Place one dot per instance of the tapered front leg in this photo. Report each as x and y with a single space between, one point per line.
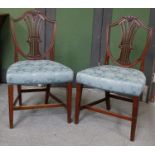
79 88
10 100
69 102
134 117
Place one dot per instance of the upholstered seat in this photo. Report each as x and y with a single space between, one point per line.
113 78
32 72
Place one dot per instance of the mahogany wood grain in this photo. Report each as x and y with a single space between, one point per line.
32 90
19 94
107 95
34 21
39 106
10 99
79 88
134 118
47 94
108 113
129 26
69 102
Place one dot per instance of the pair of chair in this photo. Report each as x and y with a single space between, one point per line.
119 79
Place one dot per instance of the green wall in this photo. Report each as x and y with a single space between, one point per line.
74 37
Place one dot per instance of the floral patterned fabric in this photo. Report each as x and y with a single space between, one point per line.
31 72
113 78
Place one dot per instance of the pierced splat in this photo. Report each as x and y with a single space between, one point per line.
34 24
129 26
34 21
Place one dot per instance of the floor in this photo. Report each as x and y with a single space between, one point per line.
49 127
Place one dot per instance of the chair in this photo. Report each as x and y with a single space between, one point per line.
117 76
38 68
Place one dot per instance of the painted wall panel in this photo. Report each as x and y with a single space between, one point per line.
74 37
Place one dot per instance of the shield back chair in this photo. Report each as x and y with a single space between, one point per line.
38 68
118 76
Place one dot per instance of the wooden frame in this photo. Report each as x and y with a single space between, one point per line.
128 33
35 17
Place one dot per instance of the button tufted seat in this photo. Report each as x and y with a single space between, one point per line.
32 72
113 78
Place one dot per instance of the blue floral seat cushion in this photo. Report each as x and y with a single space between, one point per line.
113 78
32 72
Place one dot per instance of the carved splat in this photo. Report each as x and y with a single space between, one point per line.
129 26
34 21
34 24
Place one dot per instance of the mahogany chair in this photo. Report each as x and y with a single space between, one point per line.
118 76
39 68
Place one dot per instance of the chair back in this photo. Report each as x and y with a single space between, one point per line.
35 22
128 27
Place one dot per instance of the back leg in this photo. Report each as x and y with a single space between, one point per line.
47 94
107 95
20 94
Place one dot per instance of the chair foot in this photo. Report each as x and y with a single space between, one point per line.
108 106
134 118
11 126
69 102
79 88
10 99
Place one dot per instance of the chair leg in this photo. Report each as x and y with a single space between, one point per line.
47 94
134 117
108 106
79 88
20 94
10 100
69 102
